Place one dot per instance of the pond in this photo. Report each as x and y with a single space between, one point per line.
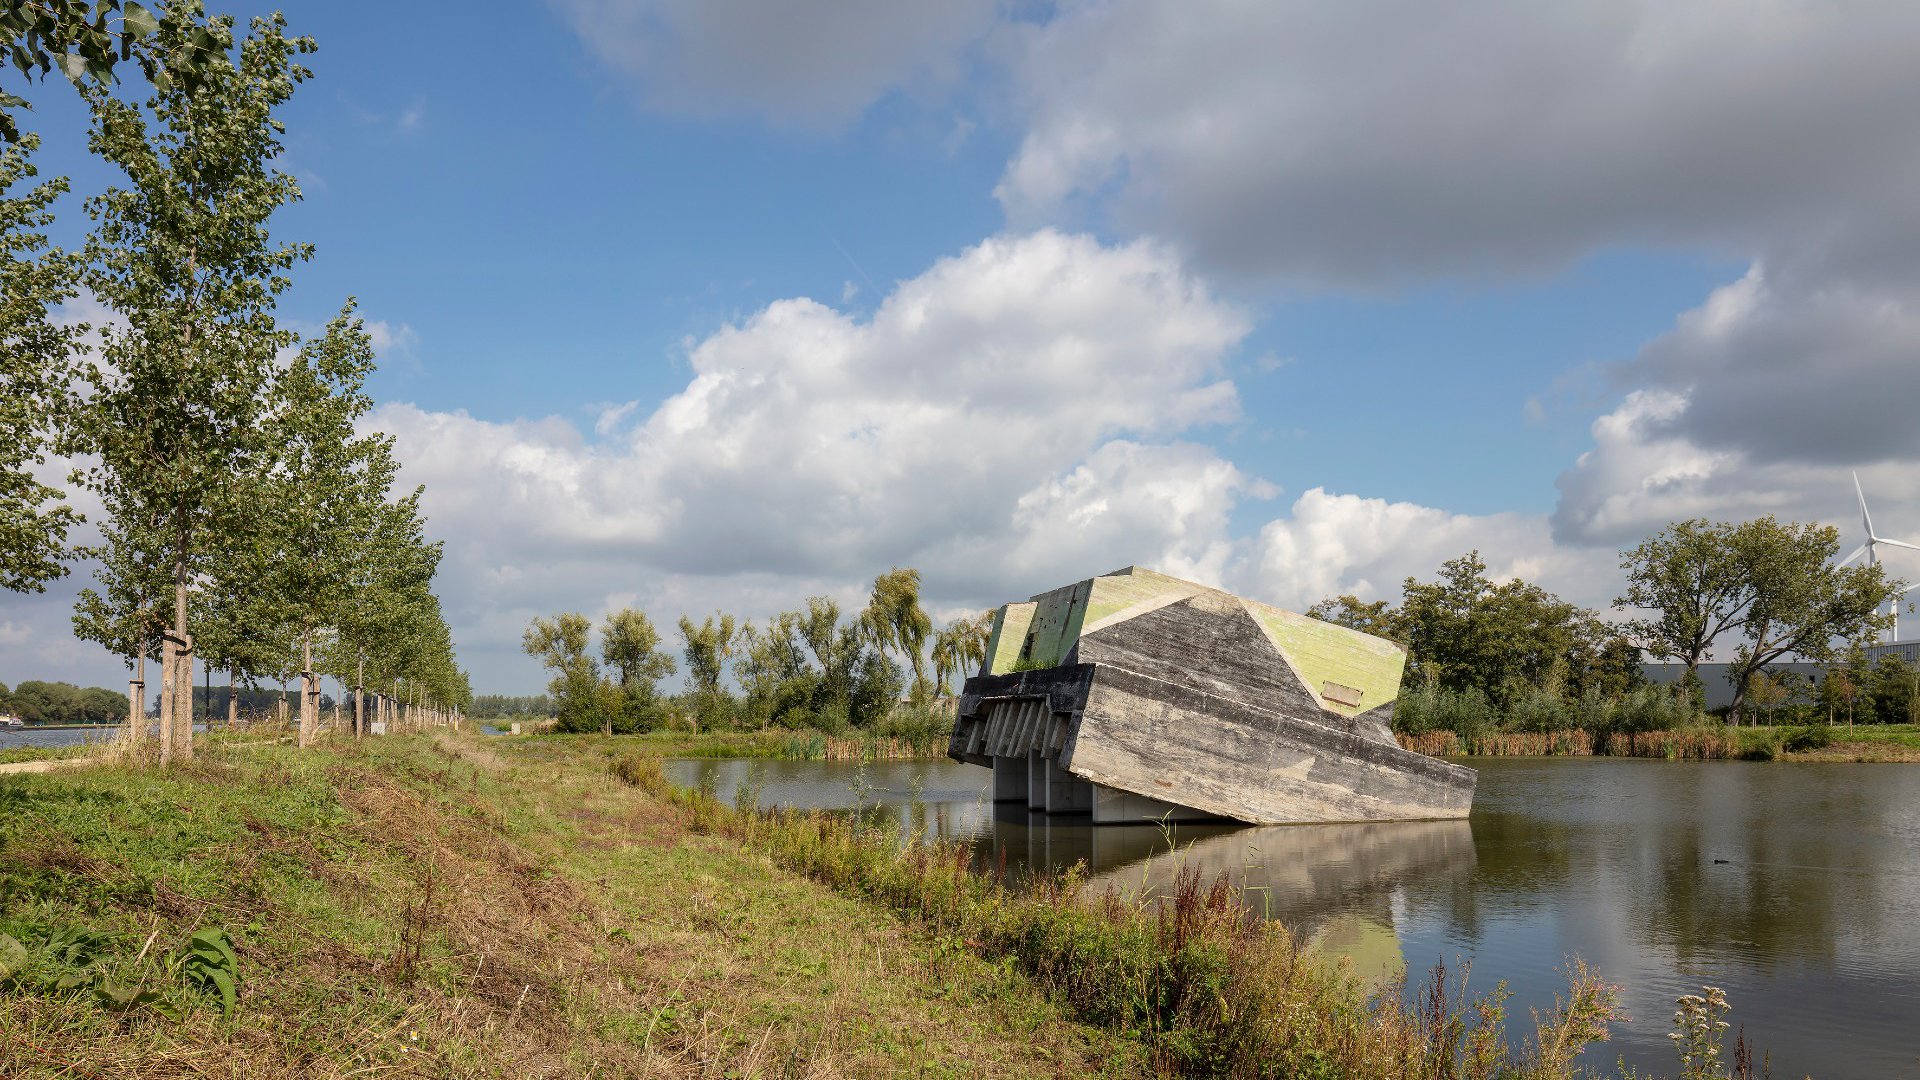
1794 887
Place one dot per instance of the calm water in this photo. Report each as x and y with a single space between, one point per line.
1811 923
11 740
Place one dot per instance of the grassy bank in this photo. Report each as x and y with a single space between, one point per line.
1864 743
463 908
477 906
1207 987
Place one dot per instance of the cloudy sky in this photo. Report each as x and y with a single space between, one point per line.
697 304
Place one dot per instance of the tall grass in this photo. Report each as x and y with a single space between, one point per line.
1698 743
1209 987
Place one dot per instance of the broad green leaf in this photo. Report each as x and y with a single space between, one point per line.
138 21
229 996
114 996
14 957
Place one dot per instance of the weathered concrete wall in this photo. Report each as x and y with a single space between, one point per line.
1170 698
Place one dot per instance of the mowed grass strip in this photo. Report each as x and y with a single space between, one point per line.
430 907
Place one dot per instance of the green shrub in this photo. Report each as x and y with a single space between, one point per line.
1806 738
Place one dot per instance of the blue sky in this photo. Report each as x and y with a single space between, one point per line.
1381 284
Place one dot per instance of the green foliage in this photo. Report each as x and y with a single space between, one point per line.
1800 602
1807 738
894 620
561 645
1211 991
88 40
39 702
34 368
500 706
1473 717
207 962
1691 576
961 647
1463 632
708 648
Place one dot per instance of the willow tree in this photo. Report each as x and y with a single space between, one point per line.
34 349
563 645
895 620
960 647
630 648
709 647
178 397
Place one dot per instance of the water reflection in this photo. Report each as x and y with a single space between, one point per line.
1795 887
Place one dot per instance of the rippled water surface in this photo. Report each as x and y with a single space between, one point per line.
1795 887
14 738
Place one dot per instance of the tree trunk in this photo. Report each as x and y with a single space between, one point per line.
309 697
1738 711
359 706
180 735
168 671
137 700
233 703
183 705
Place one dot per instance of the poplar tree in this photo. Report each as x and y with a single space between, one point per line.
177 403
128 612
88 40
389 584
34 278
323 474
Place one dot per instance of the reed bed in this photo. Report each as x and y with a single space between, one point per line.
1683 744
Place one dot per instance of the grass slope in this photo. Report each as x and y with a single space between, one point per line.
434 908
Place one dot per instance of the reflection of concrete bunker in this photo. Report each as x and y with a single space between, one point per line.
1140 696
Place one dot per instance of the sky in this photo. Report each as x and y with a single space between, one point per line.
709 304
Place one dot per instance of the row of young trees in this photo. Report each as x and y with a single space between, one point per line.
809 668
249 520
1510 654
1857 690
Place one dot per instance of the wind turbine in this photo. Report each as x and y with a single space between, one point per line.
1871 550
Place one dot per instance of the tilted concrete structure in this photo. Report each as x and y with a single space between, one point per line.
1136 696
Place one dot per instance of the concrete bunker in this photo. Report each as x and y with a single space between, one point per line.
1137 696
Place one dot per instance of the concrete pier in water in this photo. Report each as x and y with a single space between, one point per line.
1135 696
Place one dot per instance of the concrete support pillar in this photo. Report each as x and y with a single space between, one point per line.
1066 793
1112 806
1009 779
1036 781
